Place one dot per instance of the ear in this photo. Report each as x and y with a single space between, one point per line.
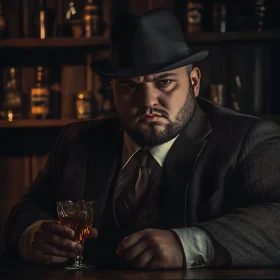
195 77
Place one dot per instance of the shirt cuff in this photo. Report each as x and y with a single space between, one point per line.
198 247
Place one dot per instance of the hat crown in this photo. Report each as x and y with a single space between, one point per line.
154 38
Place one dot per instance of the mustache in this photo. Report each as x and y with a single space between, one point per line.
151 110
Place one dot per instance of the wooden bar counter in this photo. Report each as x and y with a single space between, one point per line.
15 271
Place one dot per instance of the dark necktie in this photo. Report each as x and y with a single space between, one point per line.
132 192
142 181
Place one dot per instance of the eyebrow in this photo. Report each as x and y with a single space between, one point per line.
165 75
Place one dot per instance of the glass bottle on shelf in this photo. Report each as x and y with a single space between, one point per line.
73 22
85 105
13 97
44 21
91 19
40 96
219 17
71 11
3 22
194 14
260 15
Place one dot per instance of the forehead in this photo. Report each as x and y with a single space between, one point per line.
152 77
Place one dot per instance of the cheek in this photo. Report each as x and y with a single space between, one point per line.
173 106
173 101
124 106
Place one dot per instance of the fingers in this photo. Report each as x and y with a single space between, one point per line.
93 233
156 264
133 251
56 240
130 240
53 243
57 228
143 259
48 259
49 249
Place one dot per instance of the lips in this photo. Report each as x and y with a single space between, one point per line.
150 118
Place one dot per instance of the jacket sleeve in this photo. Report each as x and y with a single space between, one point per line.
249 230
39 202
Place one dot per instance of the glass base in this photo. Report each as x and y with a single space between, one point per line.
80 267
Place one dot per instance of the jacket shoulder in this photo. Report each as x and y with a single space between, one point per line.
224 118
87 127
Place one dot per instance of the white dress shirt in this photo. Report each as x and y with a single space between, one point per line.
197 244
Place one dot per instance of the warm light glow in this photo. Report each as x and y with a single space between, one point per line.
42 25
10 116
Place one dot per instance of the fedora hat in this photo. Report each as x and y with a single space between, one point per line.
145 45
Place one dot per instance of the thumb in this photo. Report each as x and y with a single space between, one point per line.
93 233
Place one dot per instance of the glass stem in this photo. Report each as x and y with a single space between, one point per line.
79 257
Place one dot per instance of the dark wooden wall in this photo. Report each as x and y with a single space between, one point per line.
24 149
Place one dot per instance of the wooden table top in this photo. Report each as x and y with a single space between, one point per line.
19 271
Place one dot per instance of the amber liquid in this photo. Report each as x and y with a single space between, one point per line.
81 224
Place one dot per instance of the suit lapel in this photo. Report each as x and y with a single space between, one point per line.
179 166
103 164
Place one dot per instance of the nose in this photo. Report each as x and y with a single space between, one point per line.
148 96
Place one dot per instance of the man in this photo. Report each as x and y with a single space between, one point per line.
178 181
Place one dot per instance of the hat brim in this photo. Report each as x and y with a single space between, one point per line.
102 67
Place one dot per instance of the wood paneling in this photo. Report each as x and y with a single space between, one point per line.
55 43
23 153
106 15
167 4
138 7
73 81
36 123
15 179
141 7
37 163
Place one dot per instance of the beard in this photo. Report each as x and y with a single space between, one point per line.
153 137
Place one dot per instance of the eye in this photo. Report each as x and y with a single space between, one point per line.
165 82
129 86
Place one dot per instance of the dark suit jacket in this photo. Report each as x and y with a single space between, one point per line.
222 174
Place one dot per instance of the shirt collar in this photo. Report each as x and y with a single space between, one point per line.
159 152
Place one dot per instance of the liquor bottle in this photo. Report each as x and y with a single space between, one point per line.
218 94
194 16
13 97
3 22
85 105
40 96
70 17
71 11
219 17
260 15
91 19
44 21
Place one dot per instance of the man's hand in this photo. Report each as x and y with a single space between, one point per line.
50 242
152 249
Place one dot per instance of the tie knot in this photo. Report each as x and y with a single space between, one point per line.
143 157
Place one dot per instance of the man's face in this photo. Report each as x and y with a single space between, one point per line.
154 108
